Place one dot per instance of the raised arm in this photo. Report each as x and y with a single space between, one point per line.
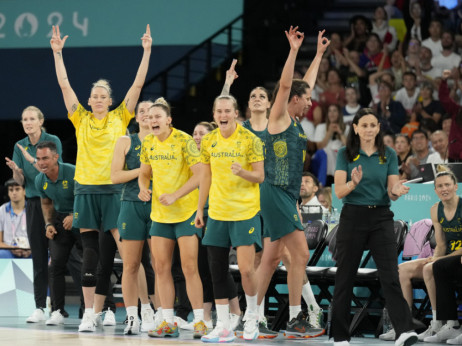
231 75
118 173
279 118
134 92
312 72
57 45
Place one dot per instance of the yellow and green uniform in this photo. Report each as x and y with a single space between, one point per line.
134 220
232 198
452 228
170 162
284 159
96 140
97 200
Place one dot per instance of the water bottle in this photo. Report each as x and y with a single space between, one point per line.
387 326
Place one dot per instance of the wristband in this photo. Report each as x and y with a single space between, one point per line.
48 224
35 162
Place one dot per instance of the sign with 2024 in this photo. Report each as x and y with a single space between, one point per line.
28 23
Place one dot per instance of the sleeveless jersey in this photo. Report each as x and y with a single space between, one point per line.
452 228
131 189
285 155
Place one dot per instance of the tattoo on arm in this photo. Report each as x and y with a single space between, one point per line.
74 108
59 55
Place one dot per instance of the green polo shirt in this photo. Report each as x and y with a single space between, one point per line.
372 190
61 191
29 171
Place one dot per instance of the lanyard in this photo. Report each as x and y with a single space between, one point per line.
21 222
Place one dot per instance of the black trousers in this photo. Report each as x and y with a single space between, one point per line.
447 273
361 228
60 250
39 249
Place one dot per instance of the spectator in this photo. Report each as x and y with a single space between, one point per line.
334 53
335 92
424 69
409 93
419 144
331 136
360 27
455 133
416 18
375 55
447 60
387 33
403 150
446 123
325 197
352 106
440 145
412 52
389 140
308 191
434 41
375 79
391 113
321 79
14 242
398 67
428 110
354 76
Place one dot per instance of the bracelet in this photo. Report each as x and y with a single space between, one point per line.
48 224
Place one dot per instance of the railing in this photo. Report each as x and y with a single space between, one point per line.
197 63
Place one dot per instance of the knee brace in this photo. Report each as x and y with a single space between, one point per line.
218 263
90 258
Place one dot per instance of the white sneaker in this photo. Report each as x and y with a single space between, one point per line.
407 339
209 324
55 319
388 336
315 317
455 341
233 321
446 332
188 326
147 320
341 343
37 316
109 318
433 328
133 326
219 334
251 327
88 323
180 322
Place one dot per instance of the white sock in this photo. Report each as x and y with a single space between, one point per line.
261 310
308 297
294 311
198 315
132 310
434 316
223 314
252 306
168 315
146 307
89 311
159 314
453 323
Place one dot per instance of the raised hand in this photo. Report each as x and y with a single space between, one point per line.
231 74
29 158
357 175
446 74
295 38
399 189
147 39
56 42
10 163
323 42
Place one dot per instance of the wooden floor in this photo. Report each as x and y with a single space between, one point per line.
15 331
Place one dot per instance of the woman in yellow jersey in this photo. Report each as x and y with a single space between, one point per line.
232 160
97 200
134 224
171 157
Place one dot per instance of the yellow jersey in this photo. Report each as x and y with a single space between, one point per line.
170 162
232 198
95 143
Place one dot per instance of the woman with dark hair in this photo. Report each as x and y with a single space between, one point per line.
403 150
366 179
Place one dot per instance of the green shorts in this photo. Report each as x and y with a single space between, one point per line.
134 220
175 230
96 211
233 233
279 211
